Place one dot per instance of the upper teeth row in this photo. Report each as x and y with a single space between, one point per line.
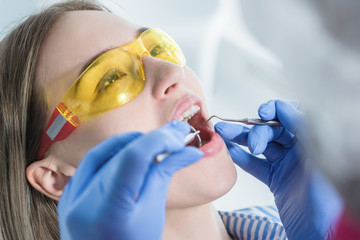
189 113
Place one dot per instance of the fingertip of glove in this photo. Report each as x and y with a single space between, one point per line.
225 127
219 127
283 105
191 155
256 151
181 126
266 112
194 151
255 146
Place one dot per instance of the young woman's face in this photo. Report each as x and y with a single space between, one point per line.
169 91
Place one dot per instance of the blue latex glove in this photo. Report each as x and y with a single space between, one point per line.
307 204
118 191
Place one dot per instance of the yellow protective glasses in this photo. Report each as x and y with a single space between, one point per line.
111 80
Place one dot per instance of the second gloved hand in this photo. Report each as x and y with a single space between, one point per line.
118 192
307 204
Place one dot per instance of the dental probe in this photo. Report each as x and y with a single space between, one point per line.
248 121
193 130
187 139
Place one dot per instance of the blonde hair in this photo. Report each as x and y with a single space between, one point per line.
25 213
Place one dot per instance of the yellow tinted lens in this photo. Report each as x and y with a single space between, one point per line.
110 81
116 77
162 46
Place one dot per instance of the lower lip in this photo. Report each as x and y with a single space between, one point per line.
213 147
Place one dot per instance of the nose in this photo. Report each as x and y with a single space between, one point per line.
163 77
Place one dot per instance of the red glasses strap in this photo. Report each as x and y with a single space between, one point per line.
57 129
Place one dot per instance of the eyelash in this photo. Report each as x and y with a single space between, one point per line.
111 77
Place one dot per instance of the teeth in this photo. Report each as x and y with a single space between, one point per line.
189 113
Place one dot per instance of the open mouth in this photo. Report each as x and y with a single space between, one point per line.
195 118
190 109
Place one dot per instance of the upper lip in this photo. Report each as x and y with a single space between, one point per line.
184 104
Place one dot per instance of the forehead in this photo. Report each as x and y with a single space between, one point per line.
74 39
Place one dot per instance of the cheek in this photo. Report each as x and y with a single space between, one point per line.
140 114
202 182
132 116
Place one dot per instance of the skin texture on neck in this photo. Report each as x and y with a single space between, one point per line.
199 222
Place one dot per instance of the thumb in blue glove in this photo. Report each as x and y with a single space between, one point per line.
307 204
117 188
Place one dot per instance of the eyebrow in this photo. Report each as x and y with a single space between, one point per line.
139 31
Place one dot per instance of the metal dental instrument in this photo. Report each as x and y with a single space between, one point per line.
188 139
193 130
248 121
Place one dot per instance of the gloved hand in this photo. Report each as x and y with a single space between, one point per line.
118 191
307 204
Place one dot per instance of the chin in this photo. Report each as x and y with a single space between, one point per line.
202 182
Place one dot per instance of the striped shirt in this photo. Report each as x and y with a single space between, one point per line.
254 223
